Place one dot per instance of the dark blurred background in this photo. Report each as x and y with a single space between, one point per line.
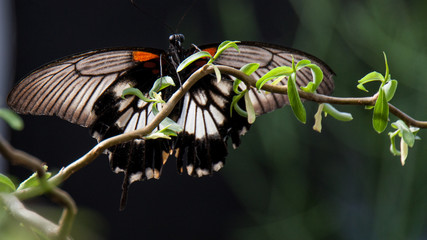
285 181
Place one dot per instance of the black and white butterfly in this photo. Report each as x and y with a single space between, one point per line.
86 89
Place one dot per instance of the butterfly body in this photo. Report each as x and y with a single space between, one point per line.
86 89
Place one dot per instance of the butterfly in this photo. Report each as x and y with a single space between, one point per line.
86 89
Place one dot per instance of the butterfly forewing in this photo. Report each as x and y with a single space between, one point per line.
69 87
269 57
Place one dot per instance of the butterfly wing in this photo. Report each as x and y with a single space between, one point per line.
86 89
270 56
205 114
69 87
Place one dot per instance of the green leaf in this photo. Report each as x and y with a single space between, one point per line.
405 132
12 119
294 68
157 135
277 80
168 131
415 130
390 89
135 92
341 116
393 148
223 46
370 77
247 69
162 83
295 100
240 111
318 118
6 185
217 73
236 84
387 71
164 133
156 97
407 139
189 60
249 108
167 122
361 87
274 73
235 106
317 78
172 125
317 74
33 180
381 111
403 151
302 64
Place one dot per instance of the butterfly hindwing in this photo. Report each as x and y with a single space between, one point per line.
207 124
139 159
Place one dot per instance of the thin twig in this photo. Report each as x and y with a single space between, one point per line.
18 157
307 96
29 218
68 214
406 118
319 98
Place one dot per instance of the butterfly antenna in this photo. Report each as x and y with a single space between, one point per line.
185 14
152 16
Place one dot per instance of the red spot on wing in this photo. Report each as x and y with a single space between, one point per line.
153 66
211 50
141 56
149 64
200 62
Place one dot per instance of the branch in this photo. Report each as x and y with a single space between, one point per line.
18 157
319 98
68 214
17 209
406 118
169 106
29 218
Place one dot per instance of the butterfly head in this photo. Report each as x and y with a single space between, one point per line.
176 40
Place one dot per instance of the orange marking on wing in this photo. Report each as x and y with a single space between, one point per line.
165 157
211 51
141 56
